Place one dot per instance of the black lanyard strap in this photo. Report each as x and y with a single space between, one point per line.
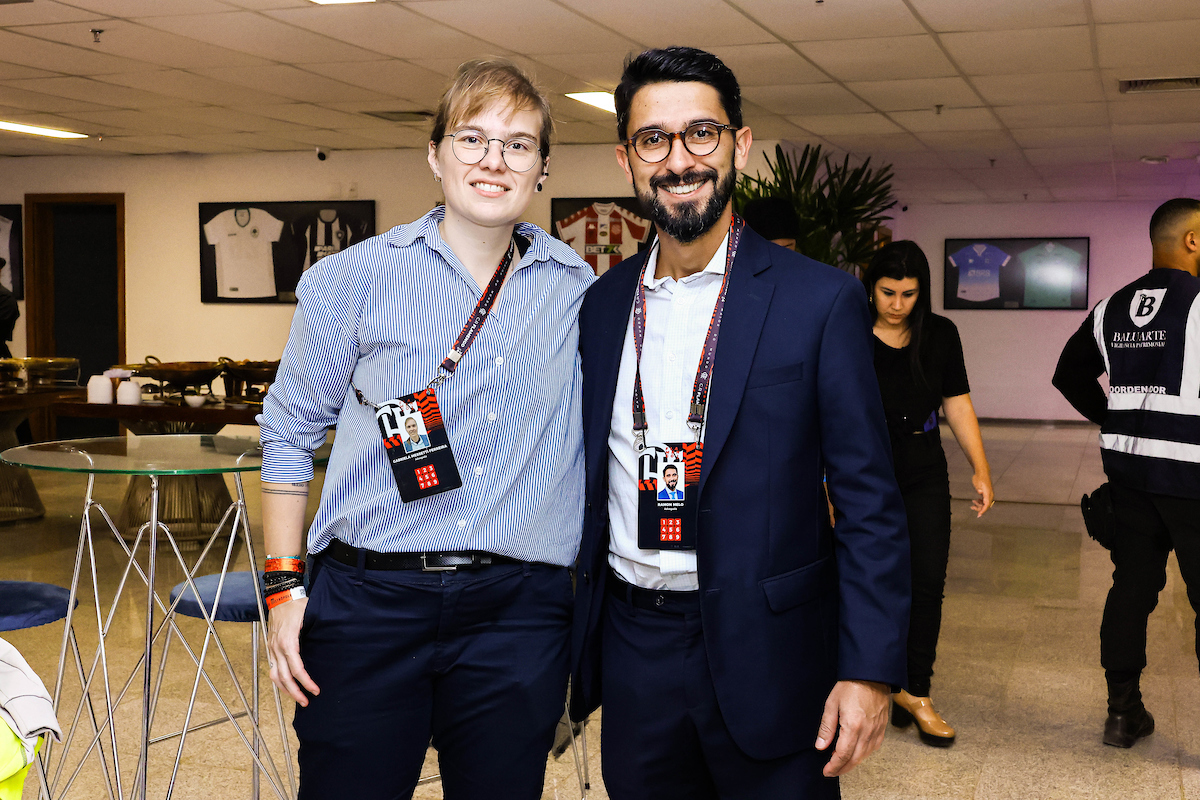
474 324
707 357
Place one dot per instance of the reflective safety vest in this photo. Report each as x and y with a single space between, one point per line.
1149 336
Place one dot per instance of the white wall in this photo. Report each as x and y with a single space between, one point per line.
164 315
1011 355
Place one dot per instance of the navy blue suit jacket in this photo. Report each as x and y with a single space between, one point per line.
789 606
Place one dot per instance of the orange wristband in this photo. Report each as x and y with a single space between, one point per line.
279 598
284 564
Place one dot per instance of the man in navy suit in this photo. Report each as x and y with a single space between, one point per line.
742 648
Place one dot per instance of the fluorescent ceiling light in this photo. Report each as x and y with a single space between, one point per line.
600 100
339 2
36 131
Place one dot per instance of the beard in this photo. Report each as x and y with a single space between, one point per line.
688 222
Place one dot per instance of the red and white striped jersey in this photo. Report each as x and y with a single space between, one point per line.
604 234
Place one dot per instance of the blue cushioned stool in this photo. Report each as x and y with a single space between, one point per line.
239 603
28 604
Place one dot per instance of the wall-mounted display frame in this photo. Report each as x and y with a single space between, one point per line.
1017 273
604 231
12 239
256 252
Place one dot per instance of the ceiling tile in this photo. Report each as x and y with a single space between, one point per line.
147 145
951 141
292 83
765 65
955 15
1020 52
140 43
1156 134
229 119
1153 49
1036 88
260 36
602 70
43 12
1068 155
36 101
890 58
394 135
1085 136
892 144
1079 173
15 72
950 119
835 124
902 161
387 29
107 122
61 59
913 94
335 140
1029 194
1022 178
705 23
186 85
1084 193
769 126
257 141
150 8
313 116
1185 154
1136 170
1053 116
271 5
1133 109
391 77
108 94
844 19
1008 159
806 99
1125 11
524 26
547 78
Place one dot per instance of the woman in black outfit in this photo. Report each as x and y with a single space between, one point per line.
919 361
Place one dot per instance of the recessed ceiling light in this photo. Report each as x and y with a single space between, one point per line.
339 2
36 131
1154 159
601 100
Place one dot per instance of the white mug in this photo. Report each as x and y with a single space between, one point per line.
129 394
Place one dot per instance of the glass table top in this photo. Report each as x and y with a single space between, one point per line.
177 454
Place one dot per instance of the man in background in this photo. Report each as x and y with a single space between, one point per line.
1146 337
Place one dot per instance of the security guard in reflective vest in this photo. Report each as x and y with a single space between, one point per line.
1147 338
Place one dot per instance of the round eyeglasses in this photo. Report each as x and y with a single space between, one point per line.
700 139
520 153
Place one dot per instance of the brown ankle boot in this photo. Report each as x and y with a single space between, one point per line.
933 730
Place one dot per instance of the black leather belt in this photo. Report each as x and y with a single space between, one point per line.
429 562
664 600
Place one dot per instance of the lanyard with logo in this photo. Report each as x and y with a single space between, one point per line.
669 473
414 434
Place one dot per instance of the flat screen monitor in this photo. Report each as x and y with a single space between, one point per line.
1046 273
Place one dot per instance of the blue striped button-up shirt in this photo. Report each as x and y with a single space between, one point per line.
383 313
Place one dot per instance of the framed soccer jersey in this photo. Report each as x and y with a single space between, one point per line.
12 276
1050 273
256 252
603 230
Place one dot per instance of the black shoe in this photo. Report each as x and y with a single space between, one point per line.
1122 730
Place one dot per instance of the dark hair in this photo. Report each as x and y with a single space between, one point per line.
1170 214
900 260
676 65
772 218
670 466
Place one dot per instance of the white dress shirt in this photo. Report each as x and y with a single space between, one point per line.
677 318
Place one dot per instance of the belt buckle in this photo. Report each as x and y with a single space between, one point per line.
426 568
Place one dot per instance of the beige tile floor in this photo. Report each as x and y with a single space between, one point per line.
1018 670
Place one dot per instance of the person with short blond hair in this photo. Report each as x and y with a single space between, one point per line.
436 608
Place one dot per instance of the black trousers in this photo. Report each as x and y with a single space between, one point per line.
925 486
1149 526
475 661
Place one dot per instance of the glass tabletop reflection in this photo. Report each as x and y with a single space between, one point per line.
172 454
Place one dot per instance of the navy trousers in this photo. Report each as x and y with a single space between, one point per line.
662 730
475 662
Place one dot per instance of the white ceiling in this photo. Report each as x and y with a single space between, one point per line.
1028 89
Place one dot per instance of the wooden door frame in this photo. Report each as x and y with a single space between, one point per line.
39 267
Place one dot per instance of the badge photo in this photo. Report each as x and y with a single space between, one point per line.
417 446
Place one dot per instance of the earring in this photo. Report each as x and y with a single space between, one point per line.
539 187
437 178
